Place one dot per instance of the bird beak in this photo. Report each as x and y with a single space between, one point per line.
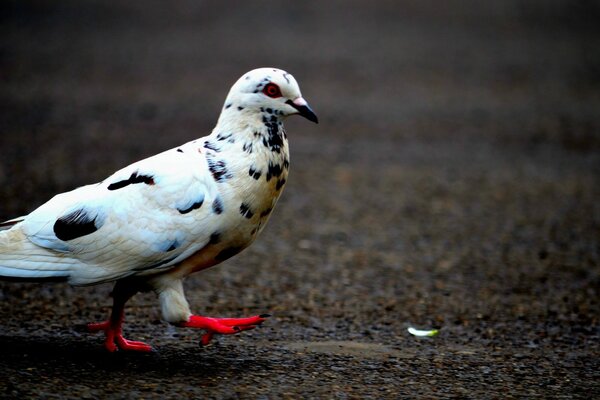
303 109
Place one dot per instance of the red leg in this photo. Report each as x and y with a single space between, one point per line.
224 326
113 327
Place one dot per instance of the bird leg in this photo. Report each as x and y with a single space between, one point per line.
224 326
113 327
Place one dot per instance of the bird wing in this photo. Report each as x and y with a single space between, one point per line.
149 215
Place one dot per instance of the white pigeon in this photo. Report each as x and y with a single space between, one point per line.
154 222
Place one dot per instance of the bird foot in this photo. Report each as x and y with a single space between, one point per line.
224 326
114 338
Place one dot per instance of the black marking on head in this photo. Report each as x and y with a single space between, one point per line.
227 106
240 108
285 76
192 207
266 212
274 171
262 83
245 210
254 173
280 183
228 253
75 224
211 146
133 179
179 151
247 77
214 238
218 169
247 147
217 205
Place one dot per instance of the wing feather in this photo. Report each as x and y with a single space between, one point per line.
146 216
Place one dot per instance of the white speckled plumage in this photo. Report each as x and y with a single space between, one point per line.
156 221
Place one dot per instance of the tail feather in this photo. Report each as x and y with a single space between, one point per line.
22 260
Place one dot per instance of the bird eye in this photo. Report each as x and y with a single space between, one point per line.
272 90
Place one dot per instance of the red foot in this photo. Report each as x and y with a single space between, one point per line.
224 326
114 338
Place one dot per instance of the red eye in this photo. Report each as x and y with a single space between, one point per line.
272 90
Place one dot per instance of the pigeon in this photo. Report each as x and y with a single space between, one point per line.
151 224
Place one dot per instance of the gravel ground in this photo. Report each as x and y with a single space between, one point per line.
452 183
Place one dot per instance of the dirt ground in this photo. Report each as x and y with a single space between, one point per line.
452 183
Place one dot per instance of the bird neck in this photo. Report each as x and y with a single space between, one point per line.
262 130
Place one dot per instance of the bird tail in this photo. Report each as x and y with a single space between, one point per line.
22 260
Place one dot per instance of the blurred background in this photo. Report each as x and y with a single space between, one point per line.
452 182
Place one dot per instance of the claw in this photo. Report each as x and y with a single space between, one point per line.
114 338
224 326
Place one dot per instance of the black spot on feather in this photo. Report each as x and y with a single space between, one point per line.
218 169
280 184
211 146
227 106
226 136
274 138
133 179
228 253
173 245
193 207
223 136
74 225
274 171
254 173
247 147
179 151
217 206
245 210
214 238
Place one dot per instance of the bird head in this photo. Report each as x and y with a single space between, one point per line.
269 88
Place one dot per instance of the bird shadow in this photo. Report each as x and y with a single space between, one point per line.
73 359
